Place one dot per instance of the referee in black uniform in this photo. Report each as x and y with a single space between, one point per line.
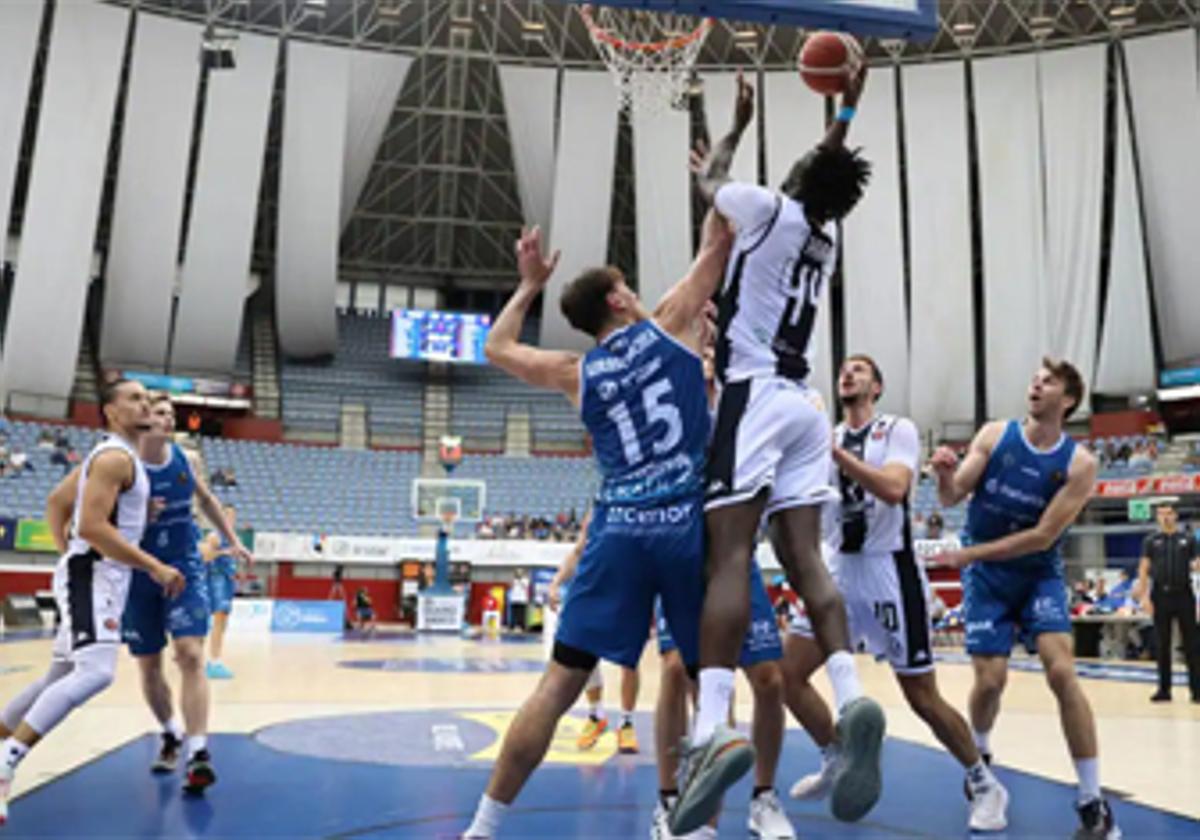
1168 557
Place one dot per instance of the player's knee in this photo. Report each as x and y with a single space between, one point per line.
1061 677
190 659
824 599
766 681
673 669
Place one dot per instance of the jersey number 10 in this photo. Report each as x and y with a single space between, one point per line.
659 410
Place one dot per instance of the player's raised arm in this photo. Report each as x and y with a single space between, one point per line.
835 137
1057 517
712 170
683 304
957 481
554 369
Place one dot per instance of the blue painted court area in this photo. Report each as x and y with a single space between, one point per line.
419 774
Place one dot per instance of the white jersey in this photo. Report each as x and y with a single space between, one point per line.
776 276
859 523
130 514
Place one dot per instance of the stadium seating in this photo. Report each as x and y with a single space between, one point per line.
393 390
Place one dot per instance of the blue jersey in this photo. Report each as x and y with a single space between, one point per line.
224 564
643 400
173 535
1015 490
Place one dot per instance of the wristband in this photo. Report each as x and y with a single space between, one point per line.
846 113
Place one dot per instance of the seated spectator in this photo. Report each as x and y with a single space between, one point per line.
45 439
1141 458
230 477
61 441
19 460
935 526
62 458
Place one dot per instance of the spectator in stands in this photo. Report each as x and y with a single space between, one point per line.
45 439
1141 459
518 600
935 526
18 460
62 458
61 441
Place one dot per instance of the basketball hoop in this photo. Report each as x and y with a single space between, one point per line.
650 54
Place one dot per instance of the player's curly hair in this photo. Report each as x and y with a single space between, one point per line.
829 181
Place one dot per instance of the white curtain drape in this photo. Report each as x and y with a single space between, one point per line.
583 184
310 188
942 371
216 264
873 247
1013 224
375 82
1125 364
663 188
1073 83
1166 116
143 249
41 344
530 97
19 27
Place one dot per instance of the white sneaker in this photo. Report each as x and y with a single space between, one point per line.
817 785
660 828
6 775
989 807
768 820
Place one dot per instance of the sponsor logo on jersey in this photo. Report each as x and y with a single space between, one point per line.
607 389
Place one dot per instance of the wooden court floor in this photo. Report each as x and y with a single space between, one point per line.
1149 753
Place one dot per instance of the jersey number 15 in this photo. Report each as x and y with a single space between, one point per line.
659 411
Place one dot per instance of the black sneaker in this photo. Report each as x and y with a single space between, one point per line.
987 759
1096 820
200 773
1160 697
168 755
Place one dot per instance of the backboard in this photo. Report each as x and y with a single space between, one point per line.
911 19
434 497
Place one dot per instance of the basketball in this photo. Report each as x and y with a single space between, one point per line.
828 60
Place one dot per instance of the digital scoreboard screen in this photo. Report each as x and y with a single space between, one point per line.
439 336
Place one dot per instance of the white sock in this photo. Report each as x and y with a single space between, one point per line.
844 676
1088 771
598 712
195 743
13 752
829 755
626 718
716 687
173 729
983 740
487 817
979 777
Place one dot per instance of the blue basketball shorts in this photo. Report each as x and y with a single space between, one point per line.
221 588
998 600
762 642
632 557
150 615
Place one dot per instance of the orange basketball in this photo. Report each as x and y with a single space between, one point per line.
828 60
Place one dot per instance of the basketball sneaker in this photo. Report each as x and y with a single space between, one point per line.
168 755
660 828
592 730
859 781
1096 820
989 808
200 773
217 671
817 785
627 741
6 776
706 771
767 820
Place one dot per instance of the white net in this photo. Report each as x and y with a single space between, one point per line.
650 54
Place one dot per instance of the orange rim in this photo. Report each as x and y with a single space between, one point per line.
601 34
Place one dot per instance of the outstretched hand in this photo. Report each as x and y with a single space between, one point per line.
534 268
743 103
855 85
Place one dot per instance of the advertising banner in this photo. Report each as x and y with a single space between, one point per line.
34 535
308 617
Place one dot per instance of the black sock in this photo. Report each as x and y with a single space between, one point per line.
759 790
